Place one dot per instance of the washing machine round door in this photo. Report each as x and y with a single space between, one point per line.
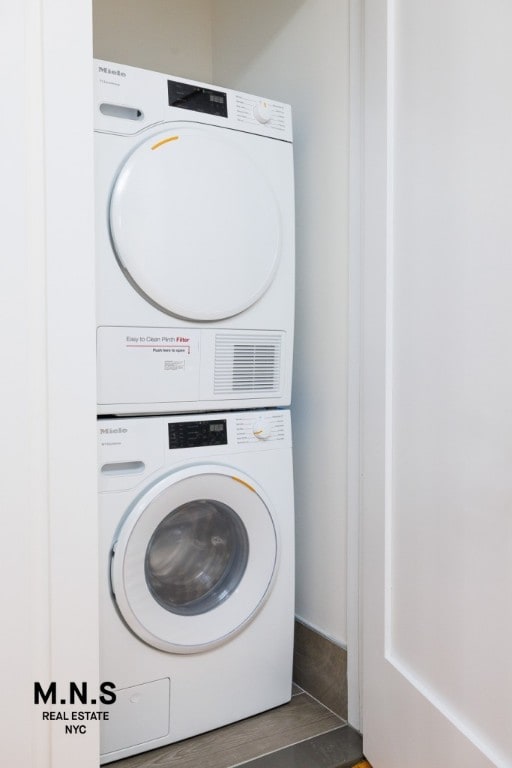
194 559
195 223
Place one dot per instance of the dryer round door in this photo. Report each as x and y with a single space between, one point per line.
195 223
194 559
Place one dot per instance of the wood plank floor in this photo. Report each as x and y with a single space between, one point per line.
301 719
340 748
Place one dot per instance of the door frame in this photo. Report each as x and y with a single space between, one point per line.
376 265
354 318
48 389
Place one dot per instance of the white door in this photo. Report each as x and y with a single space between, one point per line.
194 221
194 558
437 384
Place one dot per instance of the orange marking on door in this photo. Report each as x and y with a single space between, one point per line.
239 480
164 141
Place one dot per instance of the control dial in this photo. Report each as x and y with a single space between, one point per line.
261 111
262 429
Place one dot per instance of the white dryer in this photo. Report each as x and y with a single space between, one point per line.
195 245
197 573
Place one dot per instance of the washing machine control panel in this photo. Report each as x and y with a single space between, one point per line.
197 434
261 428
131 450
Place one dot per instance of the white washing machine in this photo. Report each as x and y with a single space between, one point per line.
195 245
197 573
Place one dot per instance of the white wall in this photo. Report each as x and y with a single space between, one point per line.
172 36
69 295
297 51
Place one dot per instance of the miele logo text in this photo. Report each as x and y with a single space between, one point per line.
107 71
116 431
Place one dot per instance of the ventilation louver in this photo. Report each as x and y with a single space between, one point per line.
247 364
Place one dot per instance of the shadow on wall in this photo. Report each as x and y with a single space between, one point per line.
186 37
265 19
169 36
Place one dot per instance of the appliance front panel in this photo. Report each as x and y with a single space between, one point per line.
244 674
194 243
144 370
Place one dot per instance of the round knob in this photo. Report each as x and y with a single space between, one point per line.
261 429
261 111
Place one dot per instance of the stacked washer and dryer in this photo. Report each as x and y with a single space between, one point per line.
195 307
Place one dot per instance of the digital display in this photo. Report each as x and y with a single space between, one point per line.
197 98
197 434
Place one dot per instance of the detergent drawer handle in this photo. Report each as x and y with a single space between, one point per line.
116 110
123 468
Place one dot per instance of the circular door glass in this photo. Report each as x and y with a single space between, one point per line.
196 557
194 221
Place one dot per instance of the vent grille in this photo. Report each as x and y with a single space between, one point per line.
247 364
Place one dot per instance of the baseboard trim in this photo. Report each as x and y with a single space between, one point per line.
320 668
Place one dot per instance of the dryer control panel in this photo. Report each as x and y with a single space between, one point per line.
129 99
197 98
